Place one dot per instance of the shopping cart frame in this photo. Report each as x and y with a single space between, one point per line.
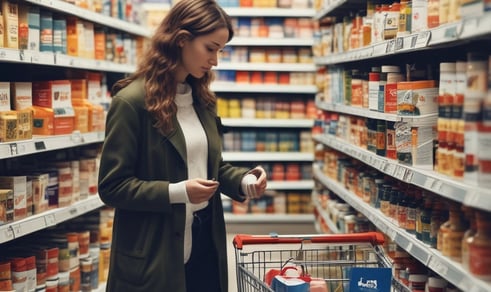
255 255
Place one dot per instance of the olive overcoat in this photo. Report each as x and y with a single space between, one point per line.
137 164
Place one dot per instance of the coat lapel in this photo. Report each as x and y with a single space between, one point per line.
176 138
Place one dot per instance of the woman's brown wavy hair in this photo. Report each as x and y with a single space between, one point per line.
187 19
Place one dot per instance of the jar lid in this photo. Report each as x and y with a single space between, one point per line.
461 66
447 67
390 68
417 278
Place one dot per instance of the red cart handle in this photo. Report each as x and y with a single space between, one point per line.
375 238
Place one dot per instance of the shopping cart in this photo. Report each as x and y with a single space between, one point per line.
330 257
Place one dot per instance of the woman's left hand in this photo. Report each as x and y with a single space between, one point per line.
257 188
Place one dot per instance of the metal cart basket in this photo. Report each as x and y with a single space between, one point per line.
328 257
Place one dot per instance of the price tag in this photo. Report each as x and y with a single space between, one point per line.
391 233
3 54
390 169
13 149
50 220
17 230
437 186
391 45
35 57
77 137
421 39
450 32
439 267
429 182
399 43
73 211
409 176
400 172
39 145
8 234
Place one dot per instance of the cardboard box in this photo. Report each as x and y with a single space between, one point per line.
39 196
8 126
21 95
75 36
53 109
34 20
5 96
23 25
6 206
18 185
10 14
24 123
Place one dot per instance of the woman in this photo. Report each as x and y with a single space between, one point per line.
161 165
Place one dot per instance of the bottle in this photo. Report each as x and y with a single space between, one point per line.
468 235
413 198
425 219
452 238
437 218
402 209
480 247
385 199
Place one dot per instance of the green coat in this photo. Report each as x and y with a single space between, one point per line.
136 167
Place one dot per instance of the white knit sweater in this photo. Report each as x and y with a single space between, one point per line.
196 156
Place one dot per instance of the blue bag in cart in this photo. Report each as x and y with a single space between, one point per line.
370 279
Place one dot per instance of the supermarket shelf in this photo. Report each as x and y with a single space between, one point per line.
268 123
325 217
268 218
92 16
267 156
290 185
269 12
276 42
51 59
364 112
222 86
445 267
14 230
48 143
445 186
460 31
286 186
279 67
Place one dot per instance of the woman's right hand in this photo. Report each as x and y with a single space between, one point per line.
200 190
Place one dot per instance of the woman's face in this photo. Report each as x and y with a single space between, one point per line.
200 54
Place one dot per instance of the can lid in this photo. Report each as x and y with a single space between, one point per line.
447 67
389 68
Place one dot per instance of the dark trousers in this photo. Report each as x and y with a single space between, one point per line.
202 268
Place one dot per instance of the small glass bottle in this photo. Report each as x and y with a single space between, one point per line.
452 239
468 235
480 247
426 221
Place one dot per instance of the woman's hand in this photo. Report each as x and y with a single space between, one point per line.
200 190
255 186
